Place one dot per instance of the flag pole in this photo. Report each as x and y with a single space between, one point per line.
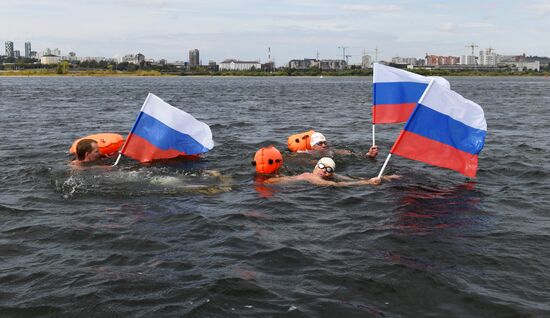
117 159
131 131
373 126
373 107
384 166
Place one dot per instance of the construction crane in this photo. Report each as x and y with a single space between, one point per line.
343 51
473 46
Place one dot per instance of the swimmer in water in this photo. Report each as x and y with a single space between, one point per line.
323 174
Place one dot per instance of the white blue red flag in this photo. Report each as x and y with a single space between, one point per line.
396 93
445 130
162 131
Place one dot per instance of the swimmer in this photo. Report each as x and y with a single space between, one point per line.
323 174
319 143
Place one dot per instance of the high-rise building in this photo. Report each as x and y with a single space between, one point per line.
16 54
441 60
194 58
27 49
468 60
140 58
488 57
9 49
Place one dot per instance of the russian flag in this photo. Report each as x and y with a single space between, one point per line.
445 130
396 93
162 131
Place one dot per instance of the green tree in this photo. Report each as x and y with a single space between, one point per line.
63 67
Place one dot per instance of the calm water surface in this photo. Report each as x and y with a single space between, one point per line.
165 239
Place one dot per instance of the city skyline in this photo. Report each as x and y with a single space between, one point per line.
169 29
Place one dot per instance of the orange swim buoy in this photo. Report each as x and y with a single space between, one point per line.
108 143
267 160
300 142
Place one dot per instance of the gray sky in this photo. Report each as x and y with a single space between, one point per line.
293 29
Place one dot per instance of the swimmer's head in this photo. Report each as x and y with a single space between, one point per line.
318 141
87 150
325 167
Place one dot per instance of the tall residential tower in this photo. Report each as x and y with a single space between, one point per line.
27 49
194 58
9 49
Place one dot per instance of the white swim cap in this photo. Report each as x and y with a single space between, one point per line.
328 162
315 138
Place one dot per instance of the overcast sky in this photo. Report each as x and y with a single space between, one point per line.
293 29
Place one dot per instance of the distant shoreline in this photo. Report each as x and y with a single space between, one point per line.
292 73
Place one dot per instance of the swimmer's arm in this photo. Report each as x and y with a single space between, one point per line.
282 180
391 177
342 151
322 182
371 181
340 177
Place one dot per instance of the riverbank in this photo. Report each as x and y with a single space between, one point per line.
283 72
50 72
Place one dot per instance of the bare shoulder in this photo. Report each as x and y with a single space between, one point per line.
305 176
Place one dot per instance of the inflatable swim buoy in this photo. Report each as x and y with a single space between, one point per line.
300 142
267 160
108 143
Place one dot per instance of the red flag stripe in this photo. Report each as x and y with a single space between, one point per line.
140 149
392 113
416 147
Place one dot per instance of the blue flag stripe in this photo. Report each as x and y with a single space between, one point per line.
440 127
164 137
398 92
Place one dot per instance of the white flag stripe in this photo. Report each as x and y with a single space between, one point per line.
178 120
387 74
452 104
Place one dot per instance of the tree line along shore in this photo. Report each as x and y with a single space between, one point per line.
128 69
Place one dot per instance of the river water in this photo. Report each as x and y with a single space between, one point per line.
167 239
